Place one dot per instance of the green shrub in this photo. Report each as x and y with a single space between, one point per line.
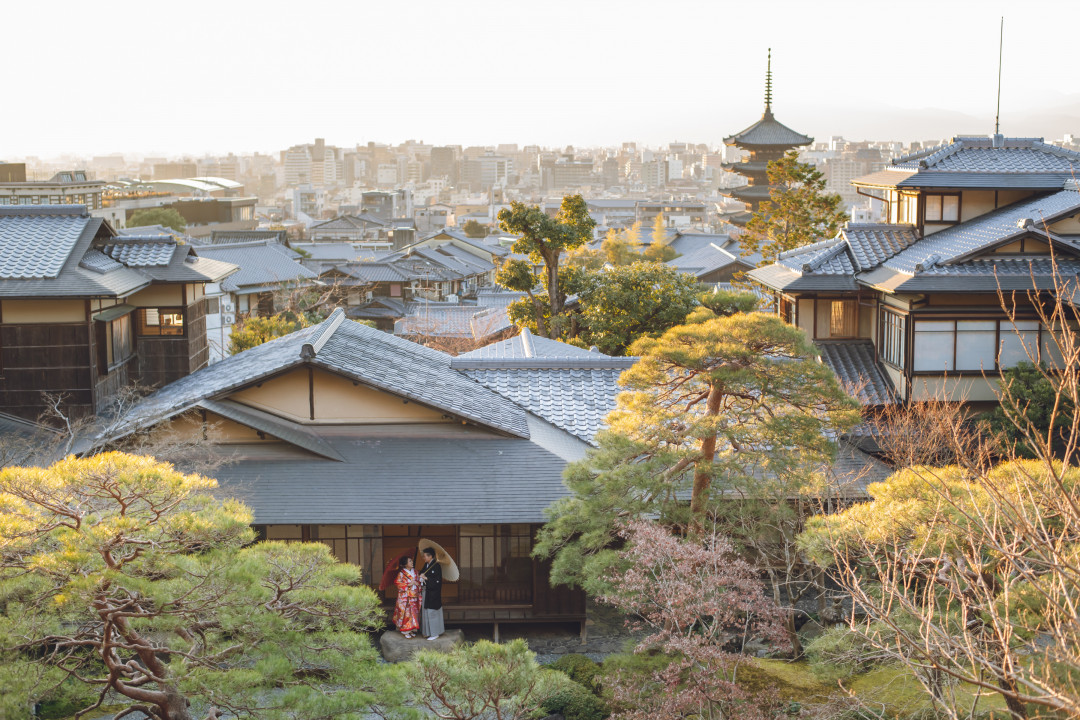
576 703
580 669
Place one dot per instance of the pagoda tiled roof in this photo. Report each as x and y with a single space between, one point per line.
768 132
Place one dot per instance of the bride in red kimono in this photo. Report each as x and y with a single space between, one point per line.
407 608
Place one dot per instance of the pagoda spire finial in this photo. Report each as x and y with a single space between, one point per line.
768 84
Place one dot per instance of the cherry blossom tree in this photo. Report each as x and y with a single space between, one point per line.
699 604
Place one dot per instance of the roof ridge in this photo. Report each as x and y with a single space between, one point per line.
36 210
829 254
311 349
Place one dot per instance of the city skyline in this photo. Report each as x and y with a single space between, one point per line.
246 77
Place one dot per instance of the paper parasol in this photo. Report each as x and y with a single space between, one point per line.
390 573
450 571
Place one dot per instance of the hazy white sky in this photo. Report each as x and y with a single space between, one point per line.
240 75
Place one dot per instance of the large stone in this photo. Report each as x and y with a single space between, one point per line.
397 648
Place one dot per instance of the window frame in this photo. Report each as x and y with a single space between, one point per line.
898 344
1004 328
941 208
141 324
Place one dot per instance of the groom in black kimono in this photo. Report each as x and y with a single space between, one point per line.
431 614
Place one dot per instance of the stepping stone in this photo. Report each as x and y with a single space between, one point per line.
397 648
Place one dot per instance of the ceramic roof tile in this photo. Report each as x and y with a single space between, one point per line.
261 264
872 244
342 346
984 231
36 241
141 251
768 131
854 363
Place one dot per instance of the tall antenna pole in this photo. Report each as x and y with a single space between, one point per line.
1001 43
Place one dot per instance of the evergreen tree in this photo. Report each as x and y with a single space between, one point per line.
798 211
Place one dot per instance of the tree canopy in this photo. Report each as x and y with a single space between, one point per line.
798 211
621 304
719 406
166 217
545 240
474 229
123 575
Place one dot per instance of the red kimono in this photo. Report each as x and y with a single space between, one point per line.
407 608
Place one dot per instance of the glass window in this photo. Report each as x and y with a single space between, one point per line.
950 208
1049 350
892 339
942 208
1019 342
843 318
975 344
161 321
934 340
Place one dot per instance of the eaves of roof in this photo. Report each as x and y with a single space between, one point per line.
780 278
978 180
278 427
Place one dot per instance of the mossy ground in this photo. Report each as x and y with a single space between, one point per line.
888 690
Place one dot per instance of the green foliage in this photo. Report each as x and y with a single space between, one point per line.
254 331
727 302
152 585
580 669
658 250
576 702
622 304
166 217
545 240
798 211
1030 387
474 229
739 402
483 680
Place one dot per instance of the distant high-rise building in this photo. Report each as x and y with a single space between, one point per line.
765 140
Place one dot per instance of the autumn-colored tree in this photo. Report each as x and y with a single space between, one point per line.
254 331
659 250
699 603
798 211
125 576
545 240
617 250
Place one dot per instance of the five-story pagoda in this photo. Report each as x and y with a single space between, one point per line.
765 140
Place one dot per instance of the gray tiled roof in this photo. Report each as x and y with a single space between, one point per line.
36 241
872 244
779 277
854 364
572 388
141 250
975 162
826 257
985 231
576 400
262 264
768 132
525 345
978 154
428 474
350 349
705 260
99 262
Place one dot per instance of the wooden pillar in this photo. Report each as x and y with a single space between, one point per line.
495 634
584 632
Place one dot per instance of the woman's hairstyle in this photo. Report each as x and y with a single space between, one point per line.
403 562
429 551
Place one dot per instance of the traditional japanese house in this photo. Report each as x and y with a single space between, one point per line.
910 309
84 313
367 442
